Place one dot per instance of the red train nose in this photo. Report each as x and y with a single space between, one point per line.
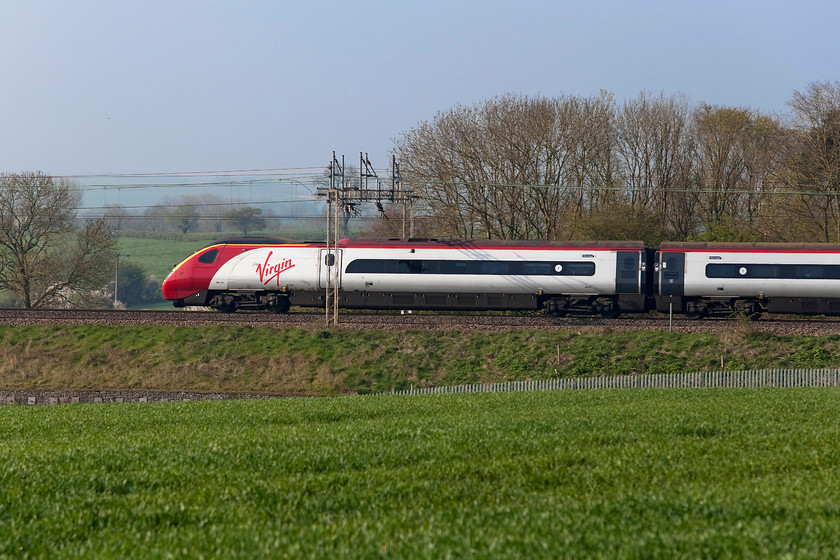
178 285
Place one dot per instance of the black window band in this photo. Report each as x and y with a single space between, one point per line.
497 268
767 271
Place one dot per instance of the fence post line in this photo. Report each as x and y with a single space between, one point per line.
748 379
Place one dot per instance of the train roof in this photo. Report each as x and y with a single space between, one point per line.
489 243
254 241
750 246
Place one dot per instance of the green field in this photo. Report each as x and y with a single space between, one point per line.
157 256
599 474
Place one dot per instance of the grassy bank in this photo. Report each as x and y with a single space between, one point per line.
328 362
601 474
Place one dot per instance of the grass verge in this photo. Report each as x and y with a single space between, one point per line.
331 362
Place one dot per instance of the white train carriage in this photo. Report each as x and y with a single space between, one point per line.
492 275
592 277
701 279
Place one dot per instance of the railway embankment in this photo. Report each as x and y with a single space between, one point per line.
126 360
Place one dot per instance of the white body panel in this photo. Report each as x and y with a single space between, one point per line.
269 268
698 285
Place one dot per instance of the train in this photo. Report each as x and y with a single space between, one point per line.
605 278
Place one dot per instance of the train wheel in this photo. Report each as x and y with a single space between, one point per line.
226 307
753 312
556 308
556 311
280 305
610 310
224 303
694 310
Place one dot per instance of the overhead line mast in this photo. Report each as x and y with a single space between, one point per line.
342 197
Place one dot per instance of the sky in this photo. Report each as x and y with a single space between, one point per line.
90 87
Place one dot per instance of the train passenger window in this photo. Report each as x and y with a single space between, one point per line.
454 267
716 270
409 267
629 263
361 266
494 267
473 267
466 267
431 267
538 268
809 271
209 257
579 269
764 271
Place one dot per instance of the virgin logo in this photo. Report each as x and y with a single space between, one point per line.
269 272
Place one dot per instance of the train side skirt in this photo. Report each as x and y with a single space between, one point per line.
421 301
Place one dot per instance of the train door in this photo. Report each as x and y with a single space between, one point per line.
327 263
628 265
671 274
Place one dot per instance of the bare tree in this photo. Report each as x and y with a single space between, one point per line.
213 210
154 218
513 167
117 216
735 165
656 150
589 139
184 217
245 218
44 260
521 167
816 165
194 213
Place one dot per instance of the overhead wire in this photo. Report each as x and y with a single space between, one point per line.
245 172
313 177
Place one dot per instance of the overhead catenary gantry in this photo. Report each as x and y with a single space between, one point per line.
347 199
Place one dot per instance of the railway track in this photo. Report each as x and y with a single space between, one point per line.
427 321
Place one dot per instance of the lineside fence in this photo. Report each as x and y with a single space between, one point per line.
734 379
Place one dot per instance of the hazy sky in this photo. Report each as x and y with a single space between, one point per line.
119 86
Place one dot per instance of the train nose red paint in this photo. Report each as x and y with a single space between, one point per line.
179 284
